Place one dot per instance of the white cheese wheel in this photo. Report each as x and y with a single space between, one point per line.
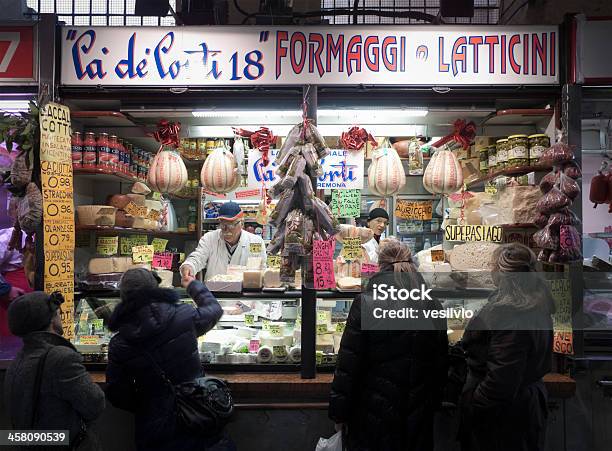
472 256
264 355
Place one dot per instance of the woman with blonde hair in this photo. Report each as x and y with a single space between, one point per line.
508 347
388 383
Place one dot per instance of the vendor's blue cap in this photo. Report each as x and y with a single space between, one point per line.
230 211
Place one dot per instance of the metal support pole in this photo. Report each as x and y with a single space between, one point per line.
309 295
571 119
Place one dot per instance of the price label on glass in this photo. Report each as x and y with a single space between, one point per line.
98 324
279 351
153 215
255 248
340 327
273 261
249 319
322 316
321 329
265 324
275 330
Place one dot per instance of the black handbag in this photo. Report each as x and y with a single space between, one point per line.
203 406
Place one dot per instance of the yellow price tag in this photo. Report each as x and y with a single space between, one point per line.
319 356
89 339
156 196
249 319
279 351
340 327
322 316
107 245
143 254
273 261
351 249
131 209
275 330
255 248
321 329
153 215
265 324
181 257
159 244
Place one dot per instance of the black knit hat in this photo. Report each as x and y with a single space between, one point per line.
33 312
137 279
378 213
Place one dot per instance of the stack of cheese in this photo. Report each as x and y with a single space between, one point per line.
137 198
471 264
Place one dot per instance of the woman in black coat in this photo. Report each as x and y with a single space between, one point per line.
388 383
508 345
155 330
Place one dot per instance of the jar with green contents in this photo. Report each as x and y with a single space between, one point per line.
518 150
483 153
502 153
492 152
537 145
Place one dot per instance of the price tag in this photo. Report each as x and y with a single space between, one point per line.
265 324
322 316
279 351
319 357
340 327
351 249
142 254
491 188
162 260
153 215
107 245
132 209
346 203
323 263
128 242
321 329
89 340
159 244
98 324
273 261
275 330
368 269
181 257
254 346
255 248
156 196
437 255
249 319
419 210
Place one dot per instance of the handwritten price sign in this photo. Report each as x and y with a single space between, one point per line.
369 269
128 242
273 261
323 263
346 203
159 244
143 254
351 249
153 215
107 245
255 248
420 210
162 260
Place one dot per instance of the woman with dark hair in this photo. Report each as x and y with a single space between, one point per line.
508 347
388 383
157 339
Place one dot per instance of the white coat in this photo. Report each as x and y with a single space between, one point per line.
212 254
371 247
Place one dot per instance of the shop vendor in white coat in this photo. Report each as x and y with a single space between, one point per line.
378 220
228 245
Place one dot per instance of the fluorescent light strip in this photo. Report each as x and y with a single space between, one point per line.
248 113
347 114
14 106
224 131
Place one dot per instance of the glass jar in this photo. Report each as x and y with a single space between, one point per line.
502 153
113 152
201 154
492 152
77 150
104 151
90 151
518 150
210 146
537 145
483 154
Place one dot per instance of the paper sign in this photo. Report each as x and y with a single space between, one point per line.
132 209
181 257
473 233
156 196
127 242
367 269
437 255
265 324
323 263
153 215
98 324
321 316
346 203
319 357
249 319
419 210
321 329
159 244
351 249
491 188
248 193
254 346
107 245
279 351
340 327
162 260
255 248
142 254
89 340
275 330
273 261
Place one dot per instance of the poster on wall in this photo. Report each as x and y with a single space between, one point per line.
58 207
342 169
563 336
325 55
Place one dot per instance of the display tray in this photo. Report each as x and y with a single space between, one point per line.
274 290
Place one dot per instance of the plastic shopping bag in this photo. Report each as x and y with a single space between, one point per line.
334 443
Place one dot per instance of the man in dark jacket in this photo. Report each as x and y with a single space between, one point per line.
67 398
156 334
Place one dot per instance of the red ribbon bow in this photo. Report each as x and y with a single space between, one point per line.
167 134
463 133
356 138
261 140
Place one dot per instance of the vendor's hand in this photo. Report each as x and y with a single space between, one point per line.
186 280
15 293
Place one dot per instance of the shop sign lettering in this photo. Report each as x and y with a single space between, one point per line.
391 55
473 233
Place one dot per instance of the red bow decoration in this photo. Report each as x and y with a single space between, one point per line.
261 140
356 138
167 134
463 133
